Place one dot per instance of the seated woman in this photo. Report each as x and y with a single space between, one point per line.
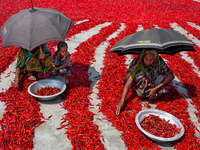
149 76
35 60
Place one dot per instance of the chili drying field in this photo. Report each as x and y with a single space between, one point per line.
84 116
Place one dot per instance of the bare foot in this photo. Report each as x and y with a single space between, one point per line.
16 84
32 78
54 73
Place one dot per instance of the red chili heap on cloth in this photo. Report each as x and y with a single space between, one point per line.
159 127
46 91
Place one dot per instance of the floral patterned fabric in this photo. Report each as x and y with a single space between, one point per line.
35 63
22 56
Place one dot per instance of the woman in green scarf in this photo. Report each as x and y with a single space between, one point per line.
149 76
36 60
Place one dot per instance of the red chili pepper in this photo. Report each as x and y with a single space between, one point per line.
159 127
46 91
21 118
50 116
197 129
110 88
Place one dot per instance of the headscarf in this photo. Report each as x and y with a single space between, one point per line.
155 69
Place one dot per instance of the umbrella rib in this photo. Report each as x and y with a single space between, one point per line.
50 21
158 37
153 44
142 45
55 25
8 33
176 43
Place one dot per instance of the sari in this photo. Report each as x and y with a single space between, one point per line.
22 56
31 61
35 63
145 80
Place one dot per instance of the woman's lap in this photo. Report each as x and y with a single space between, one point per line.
142 83
34 64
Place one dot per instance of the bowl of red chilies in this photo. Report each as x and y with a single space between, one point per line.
159 125
47 89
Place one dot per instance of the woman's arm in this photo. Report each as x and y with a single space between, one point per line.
47 52
47 55
43 55
166 81
124 94
17 75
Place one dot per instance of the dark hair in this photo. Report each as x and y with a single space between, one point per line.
61 44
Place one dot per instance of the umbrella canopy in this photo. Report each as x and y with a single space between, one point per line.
167 41
32 27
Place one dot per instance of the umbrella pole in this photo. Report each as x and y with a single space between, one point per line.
40 49
31 4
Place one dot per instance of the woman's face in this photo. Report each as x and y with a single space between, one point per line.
148 59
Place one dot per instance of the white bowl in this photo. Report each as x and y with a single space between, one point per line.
32 89
167 116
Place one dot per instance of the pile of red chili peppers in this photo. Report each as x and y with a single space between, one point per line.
23 113
159 127
21 118
80 128
46 91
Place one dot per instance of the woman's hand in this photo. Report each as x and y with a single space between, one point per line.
167 80
118 107
56 68
42 55
152 92
50 57
124 94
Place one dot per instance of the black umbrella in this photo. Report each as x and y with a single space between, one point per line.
166 41
32 27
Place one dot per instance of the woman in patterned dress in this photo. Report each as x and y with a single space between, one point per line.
36 60
148 75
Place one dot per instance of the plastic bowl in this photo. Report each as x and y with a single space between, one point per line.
167 116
